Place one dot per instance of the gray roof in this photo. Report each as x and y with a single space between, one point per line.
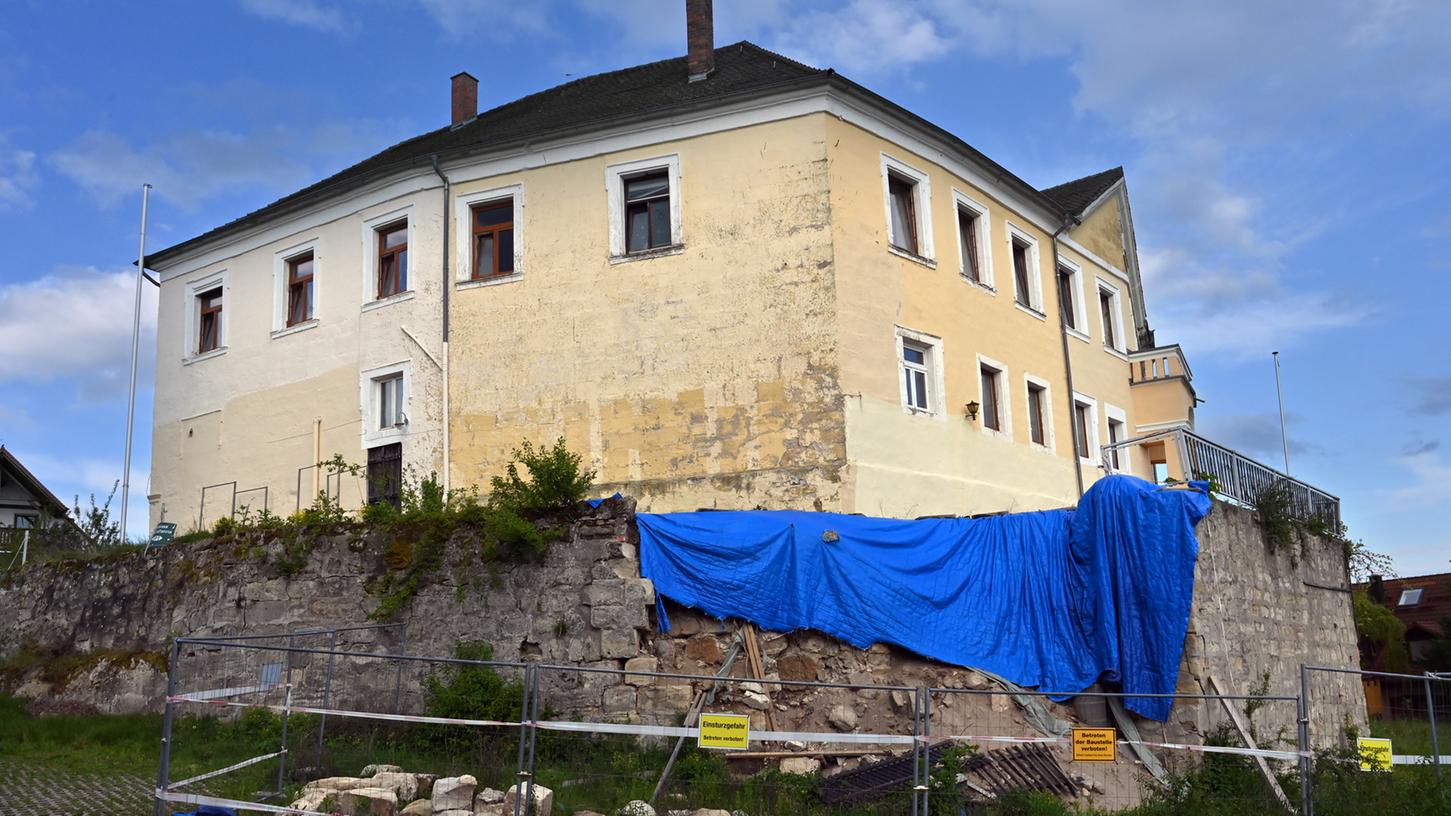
742 70
1075 196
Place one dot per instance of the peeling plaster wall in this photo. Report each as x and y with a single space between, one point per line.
904 464
703 378
249 414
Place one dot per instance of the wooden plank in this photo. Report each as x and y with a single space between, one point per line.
1243 728
758 670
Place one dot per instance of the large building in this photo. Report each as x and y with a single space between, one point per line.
727 279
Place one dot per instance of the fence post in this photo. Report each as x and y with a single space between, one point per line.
926 750
533 734
1307 768
527 687
163 775
1435 740
327 695
286 711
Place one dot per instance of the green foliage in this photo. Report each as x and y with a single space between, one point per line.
555 481
1382 631
472 692
942 780
1438 651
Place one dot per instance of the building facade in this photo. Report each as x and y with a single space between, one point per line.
727 280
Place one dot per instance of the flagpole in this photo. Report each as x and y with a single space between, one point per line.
135 348
1280 395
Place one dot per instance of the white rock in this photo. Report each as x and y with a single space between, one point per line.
543 800
422 807
454 793
310 800
336 783
405 785
368 802
756 700
842 718
802 766
488 796
636 808
370 770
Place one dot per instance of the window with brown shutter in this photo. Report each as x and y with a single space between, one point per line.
392 259
967 222
647 211
1021 277
493 239
1036 431
991 410
1065 298
904 212
1082 422
1105 305
299 289
209 320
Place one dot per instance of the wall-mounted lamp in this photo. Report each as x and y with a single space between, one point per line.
971 409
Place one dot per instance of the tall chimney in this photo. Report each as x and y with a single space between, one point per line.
699 39
465 97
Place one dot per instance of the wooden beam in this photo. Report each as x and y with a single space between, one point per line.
1243 728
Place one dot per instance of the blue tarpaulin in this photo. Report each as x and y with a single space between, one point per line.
1055 600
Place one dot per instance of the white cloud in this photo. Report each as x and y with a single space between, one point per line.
75 323
865 35
499 19
17 176
1430 478
305 13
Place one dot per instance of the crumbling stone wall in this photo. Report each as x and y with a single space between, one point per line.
1256 610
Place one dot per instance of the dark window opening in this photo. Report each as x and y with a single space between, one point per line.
991 411
1105 305
1082 424
493 239
1020 273
299 289
904 212
392 259
647 212
1036 431
1065 299
385 474
967 222
209 320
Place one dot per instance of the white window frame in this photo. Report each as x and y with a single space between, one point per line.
936 381
1120 345
1407 599
1091 443
195 287
279 287
962 201
369 384
615 194
1080 309
1113 413
1005 397
1035 271
370 257
464 226
1050 442
921 205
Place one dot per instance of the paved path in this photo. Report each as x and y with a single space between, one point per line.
28 789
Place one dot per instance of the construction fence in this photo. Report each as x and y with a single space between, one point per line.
597 737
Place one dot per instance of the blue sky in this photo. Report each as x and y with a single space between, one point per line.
1288 171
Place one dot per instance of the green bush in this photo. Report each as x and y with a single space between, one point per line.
555 481
472 692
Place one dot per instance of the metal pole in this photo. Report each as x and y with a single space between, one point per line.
1280 394
135 349
286 710
533 734
523 731
1307 800
163 775
327 695
24 547
916 745
1435 740
927 752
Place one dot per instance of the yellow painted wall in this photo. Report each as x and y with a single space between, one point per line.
704 378
905 464
1102 233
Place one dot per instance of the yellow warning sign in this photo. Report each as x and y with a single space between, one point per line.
731 732
1095 745
1375 753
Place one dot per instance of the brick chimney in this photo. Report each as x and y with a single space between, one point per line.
465 97
699 39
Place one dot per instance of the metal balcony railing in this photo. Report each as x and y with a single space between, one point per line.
1237 477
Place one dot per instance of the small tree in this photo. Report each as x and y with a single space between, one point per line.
555 480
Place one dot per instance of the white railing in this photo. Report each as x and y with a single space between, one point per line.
1235 476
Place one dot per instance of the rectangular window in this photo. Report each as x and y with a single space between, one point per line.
1066 299
916 359
299 289
1106 306
392 259
1115 436
390 402
25 521
1036 430
992 414
1082 423
647 211
1021 277
1410 597
904 212
209 320
385 474
967 226
493 239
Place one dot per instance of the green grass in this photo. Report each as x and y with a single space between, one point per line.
1412 736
